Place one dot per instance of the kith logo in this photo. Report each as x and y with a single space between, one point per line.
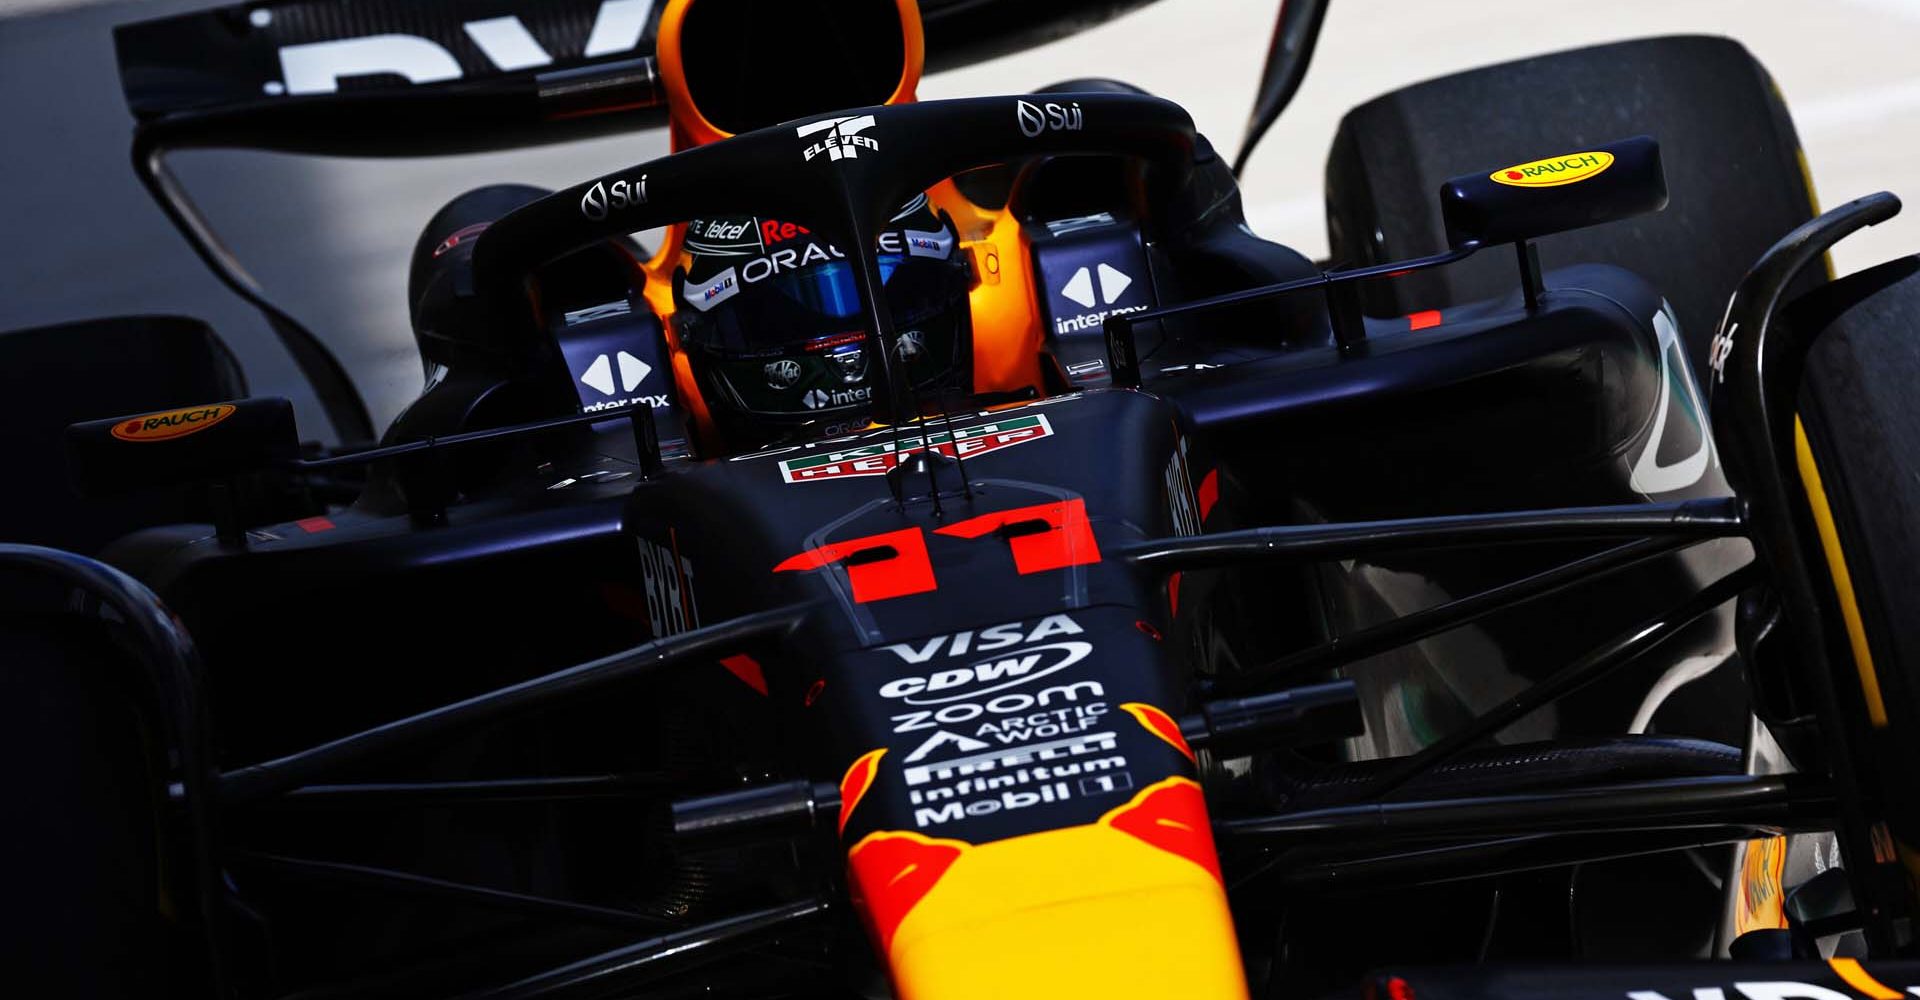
842 139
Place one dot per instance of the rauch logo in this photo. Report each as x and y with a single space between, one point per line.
172 423
1554 171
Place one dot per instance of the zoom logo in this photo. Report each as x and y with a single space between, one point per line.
1049 117
603 199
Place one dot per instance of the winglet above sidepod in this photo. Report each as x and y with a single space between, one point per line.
1569 191
191 444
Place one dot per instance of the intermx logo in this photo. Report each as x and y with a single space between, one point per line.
842 140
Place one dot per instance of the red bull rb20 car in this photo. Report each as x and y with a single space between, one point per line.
960 558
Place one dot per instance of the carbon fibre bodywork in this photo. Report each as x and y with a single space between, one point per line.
1555 409
978 651
971 636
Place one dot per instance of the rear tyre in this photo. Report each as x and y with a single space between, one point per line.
1732 159
81 847
1860 467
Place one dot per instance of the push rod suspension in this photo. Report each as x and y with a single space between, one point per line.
293 770
1694 520
1409 628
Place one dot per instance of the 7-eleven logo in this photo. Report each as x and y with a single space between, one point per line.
876 458
842 139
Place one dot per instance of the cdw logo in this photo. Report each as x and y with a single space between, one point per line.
318 67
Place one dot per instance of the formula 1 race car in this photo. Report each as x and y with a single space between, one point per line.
961 558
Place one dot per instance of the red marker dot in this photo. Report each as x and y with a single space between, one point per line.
1514 175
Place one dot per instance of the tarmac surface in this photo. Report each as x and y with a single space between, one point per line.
329 238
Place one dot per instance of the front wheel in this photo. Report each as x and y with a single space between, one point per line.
1857 443
81 841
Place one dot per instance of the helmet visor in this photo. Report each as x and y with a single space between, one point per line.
773 302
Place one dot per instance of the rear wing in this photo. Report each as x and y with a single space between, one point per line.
386 77
394 77
426 77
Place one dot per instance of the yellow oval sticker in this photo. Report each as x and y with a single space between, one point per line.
170 424
1554 170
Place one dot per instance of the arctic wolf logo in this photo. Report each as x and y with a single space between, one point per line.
842 139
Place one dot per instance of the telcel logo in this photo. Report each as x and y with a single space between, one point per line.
1049 117
1554 171
172 423
603 199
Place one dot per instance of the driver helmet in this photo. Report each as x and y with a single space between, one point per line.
770 317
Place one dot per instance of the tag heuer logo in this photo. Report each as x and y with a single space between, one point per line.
842 139
876 458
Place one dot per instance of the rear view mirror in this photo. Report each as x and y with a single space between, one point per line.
171 447
1551 195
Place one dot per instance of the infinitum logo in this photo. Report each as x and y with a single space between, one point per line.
842 140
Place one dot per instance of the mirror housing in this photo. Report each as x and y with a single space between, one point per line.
171 447
1295 33
1540 197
